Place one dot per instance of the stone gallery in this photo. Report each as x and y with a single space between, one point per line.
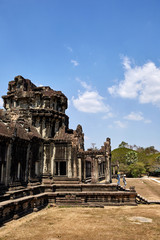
42 160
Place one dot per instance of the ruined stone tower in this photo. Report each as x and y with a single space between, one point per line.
41 147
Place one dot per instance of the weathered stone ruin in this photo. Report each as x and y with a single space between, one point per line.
42 160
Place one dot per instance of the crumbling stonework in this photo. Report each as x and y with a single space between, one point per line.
43 161
36 142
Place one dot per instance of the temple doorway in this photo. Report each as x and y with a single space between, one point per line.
60 168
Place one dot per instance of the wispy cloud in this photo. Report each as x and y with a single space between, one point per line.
74 62
137 116
84 84
120 124
141 82
108 115
89 101
70 49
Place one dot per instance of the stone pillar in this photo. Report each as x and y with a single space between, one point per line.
27 163
37 168
80 168
38 127
41 152
19 170
108 161
46 176
2 173
94 170
56 126
43 128
114 172
52 159
69 161
8 163
49 129
75 162
84 169
45 169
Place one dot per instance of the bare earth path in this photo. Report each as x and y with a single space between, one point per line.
140 222
86 224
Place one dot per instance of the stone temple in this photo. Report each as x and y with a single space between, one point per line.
43 161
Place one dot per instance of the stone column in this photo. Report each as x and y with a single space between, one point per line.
84 169
80 168
94 170
55 105
45 170
75 167
52 159
49 134
19 170
2 173
69 162
41 151
56 126
108 161
114 172
107 170
8 163
27 163
38 127
14 104
43 128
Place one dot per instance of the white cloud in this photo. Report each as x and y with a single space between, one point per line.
147 121
84 84
137 116
90 102
120 124
1 102
108 115
70 49
141 82
75 63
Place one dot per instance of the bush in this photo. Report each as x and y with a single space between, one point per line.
137 169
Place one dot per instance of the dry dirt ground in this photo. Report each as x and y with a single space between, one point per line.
87 224
145 186
140 222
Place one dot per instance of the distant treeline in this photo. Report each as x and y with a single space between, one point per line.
136 161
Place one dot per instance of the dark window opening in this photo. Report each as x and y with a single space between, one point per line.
60 168
88 169
56 173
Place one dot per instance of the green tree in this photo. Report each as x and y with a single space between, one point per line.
131 157
137 169
150 150
123 144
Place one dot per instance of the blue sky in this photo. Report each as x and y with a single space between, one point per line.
103 55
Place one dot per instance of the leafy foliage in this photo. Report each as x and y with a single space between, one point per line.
131 157
135 163
137 169
123 145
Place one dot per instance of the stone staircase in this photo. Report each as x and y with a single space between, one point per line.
142 200
16 203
